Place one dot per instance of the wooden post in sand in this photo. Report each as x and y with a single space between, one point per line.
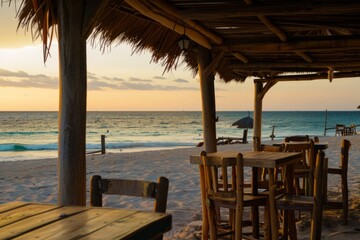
72 109
103 148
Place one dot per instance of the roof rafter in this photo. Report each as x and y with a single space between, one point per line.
343 43
272 8
193 35
308 77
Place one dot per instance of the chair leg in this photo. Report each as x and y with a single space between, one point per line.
238 221
345 198
212 222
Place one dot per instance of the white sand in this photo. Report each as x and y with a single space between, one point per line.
36 181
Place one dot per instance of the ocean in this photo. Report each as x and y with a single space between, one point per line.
34 135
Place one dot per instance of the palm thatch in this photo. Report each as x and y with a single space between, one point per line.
254 38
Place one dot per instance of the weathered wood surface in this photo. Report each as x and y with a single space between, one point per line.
69 222
253 158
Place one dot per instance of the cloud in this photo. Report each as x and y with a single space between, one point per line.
133 79
159 77
179 80
118 79
147 87
25 80
7 73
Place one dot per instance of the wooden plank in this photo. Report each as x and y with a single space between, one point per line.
34 222
24 212
139 225
79 225
11 205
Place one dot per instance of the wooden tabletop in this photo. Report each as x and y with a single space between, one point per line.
22 220
254 158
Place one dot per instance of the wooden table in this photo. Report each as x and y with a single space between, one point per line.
23 220
254 159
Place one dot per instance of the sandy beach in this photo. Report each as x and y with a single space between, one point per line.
36 181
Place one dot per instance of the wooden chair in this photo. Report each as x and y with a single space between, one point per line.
314 204
339 130
305 168
136 188
228 194
270 148
342 171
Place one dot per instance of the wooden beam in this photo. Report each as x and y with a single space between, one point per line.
273 28
165 6
177 27
282 36
304 56
240 57
284 65
309 77
280 33
269 84
92 10
321 45
210 69
266 8
72 109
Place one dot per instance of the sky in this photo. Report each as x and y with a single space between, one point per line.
121 81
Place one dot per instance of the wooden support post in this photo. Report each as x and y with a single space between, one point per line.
257 115
103 149
207 89
208 100
72 109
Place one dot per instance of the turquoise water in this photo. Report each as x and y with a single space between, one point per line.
31 135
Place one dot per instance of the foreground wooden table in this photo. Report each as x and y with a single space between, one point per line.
254 159
22 220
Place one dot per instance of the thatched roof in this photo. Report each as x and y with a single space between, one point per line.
264 38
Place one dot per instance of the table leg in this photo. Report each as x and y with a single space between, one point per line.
205 222
255 209
289 224
273 211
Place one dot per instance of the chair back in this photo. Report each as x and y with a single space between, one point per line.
229 192
307 148
297 138
136 188
339 129
271 148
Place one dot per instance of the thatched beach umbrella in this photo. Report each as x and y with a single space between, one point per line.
246 122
